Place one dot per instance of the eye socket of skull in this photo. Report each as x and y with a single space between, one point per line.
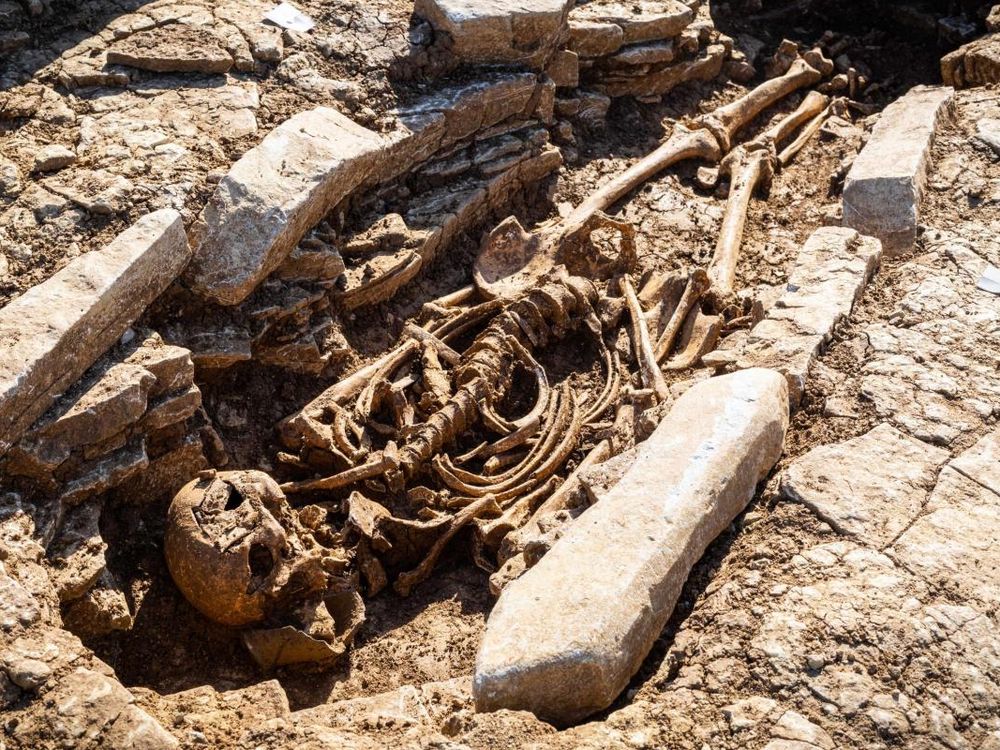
230 543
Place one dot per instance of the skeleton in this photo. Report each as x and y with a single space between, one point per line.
245 558
539 287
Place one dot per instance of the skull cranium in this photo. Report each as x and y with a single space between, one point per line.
238 552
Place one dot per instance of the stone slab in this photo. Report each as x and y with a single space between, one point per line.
705 67
830 274
273 195
640 21
884 187
175 48
304 167
871 487
524 32
112 404
565 638
594 38
52 333
955 546
981 462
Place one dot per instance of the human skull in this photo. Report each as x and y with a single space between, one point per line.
238 552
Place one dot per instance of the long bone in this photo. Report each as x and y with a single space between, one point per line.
751 165
512 260
651 375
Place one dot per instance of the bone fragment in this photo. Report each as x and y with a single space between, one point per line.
749 165
424 336
379 464
697 285
651 375
406 581
701 338
792 149
812 105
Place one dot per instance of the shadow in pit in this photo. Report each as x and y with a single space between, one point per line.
401 635
901 43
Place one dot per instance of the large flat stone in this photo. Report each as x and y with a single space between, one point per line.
955 546
564 639
53 332
871 487
273 194
494 31
885 185
109 406
705 67
175 48
831 272
981 462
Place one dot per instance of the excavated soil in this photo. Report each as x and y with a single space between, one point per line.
433 635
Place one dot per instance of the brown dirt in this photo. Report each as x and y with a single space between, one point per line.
433 635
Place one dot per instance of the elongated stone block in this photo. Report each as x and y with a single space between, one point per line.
53 332
499 31
883 190
830 275
273 194
640 20
566 637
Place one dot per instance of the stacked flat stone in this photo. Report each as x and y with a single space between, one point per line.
641 49
137 406
274 275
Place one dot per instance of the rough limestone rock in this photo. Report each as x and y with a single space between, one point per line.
52 333
493 31
273 194
830 274
883 190
594 38
932 364
564 639
705 67
955 544
52 157
640 21
871 487
974 64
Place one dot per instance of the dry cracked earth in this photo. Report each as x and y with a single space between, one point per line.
210 223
